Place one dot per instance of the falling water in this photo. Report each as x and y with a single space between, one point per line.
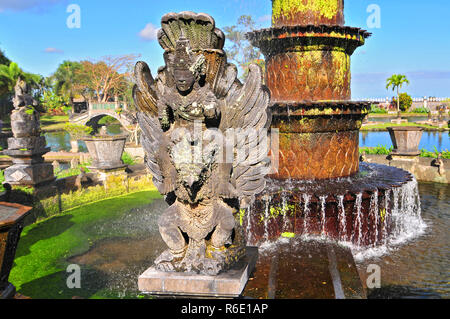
404 219
285 210
374 209
266 219
307 199
358 222
407 218
249 225
342 219
323 203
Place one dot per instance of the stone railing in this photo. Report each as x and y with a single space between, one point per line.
430 103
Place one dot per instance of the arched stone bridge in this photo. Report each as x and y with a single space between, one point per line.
97 111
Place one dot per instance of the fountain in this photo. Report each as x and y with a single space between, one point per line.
320 188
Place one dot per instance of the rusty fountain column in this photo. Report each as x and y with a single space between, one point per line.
320 187
308 53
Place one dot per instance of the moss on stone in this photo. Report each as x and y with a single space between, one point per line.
341 63
324 8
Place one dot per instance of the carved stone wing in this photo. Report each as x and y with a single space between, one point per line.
247 112
144 93
146 98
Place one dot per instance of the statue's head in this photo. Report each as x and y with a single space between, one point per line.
187 67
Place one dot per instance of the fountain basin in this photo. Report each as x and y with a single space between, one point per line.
364 209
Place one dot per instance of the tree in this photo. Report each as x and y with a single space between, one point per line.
66 79
8 76
405 101
4 59
396 81
104 77
241 51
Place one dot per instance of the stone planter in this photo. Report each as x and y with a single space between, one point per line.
11 225
106 152
406 140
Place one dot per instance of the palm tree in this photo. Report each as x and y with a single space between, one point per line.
8 76
65 79
396 81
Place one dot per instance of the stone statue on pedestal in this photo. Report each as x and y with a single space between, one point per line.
205 137
27 146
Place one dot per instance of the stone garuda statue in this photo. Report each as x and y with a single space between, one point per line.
205 137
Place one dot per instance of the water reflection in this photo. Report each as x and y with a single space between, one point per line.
440 140
60 141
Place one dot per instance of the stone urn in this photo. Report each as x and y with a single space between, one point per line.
406 140
106 152
11 224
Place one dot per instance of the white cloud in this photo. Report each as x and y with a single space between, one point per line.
23 5
53 50
149 33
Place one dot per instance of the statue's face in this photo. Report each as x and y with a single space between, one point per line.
184 80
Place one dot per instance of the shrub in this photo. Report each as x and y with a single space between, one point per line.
54 104
379 150
421 110
128 159
426 153
377 110
405 102
72 171
77 131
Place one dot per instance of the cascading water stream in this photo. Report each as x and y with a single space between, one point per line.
375 213
323 204
307 200
266 219
358 223
342 219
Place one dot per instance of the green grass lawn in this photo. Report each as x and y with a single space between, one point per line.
44 248
384 126
407 114
53 123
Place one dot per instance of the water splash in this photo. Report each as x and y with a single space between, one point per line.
405 220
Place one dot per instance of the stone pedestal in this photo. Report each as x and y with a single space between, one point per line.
28 167
229 284
399 121
26 149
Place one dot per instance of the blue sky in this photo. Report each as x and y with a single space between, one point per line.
413 38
